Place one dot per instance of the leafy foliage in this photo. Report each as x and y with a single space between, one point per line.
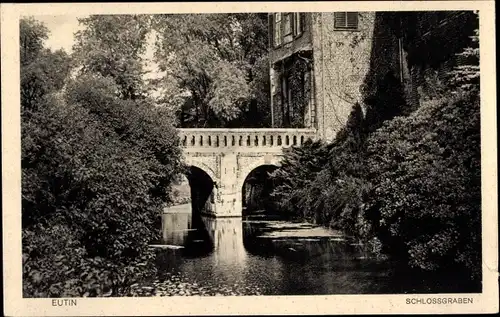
42 71
84 178
32 34
427 197
112 46
324 183
302 93
43 76
96 168
218 60
408 184
466 75
412 185
298 170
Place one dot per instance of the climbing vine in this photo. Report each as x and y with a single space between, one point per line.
297 82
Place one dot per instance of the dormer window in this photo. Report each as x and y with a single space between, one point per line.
346 20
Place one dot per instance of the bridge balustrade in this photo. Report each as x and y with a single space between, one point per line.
282 138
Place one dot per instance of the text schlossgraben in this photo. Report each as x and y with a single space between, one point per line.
439 300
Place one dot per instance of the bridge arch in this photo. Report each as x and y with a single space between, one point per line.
272 160
203 190
256 190
190 161
203 185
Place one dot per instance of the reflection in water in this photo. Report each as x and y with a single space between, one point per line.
229 253
226 235
175 228
232 256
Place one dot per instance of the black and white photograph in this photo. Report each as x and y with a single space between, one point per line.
252 154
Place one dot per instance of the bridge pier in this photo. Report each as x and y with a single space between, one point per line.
230 205
228 202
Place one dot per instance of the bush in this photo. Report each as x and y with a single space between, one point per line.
426 203
96 171
56 265
410 189
139 124
299 167
324 183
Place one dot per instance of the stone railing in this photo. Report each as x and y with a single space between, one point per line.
200 137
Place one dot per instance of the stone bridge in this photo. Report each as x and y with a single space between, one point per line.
221 159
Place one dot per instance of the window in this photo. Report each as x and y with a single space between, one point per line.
286 27
288 24
277 29
297 23
346 20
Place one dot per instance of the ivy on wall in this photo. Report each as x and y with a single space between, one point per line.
291 113
300 93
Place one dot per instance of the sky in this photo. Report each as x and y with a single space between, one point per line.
62 29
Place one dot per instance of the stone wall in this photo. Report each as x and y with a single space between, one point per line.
341 63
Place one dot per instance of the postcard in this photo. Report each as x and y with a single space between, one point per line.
249 158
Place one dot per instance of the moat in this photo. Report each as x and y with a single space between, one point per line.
258 255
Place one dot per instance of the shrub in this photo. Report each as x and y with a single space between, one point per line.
96 172
55 264
410 188
426 203
141 125
324 183
298 170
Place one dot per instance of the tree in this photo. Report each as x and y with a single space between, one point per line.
298 170
217 59
97 166
112 45
32 35
42 71
139 124
466 75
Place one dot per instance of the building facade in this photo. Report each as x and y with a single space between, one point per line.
318 62
322 64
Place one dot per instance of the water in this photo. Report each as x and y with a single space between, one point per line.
234 256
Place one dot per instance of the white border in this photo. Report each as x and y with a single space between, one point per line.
487 302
